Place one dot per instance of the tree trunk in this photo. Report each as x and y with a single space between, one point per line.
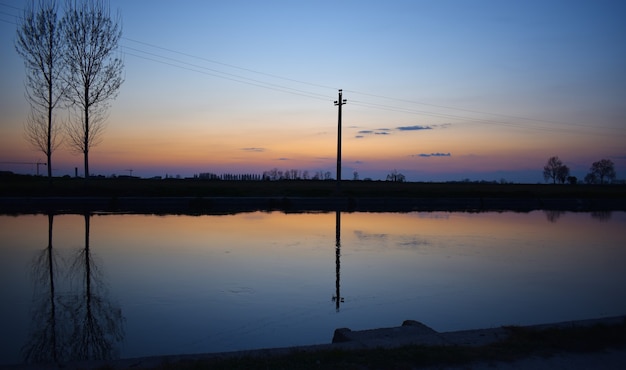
49 148
86 136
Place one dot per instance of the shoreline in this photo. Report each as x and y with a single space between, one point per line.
411 334
226 205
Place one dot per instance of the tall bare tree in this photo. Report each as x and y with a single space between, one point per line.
40 43
555 170
94 70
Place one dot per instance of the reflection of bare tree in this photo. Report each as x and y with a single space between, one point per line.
553 215
97 323
602 216
45 341
337 298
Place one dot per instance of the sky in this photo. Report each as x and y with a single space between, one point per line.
439 90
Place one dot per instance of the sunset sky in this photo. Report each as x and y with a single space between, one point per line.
439 90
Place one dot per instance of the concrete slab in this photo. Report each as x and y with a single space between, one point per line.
409 333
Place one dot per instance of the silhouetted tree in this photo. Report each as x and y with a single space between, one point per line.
555 170
603 169
395 176
40 43
94 73
572 180
562 174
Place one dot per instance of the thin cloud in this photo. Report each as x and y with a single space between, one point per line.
381 131
253 149
413 128
388 131
283 159
428 155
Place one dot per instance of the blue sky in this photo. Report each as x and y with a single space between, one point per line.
246 86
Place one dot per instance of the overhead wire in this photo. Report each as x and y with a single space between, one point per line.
447 116
228 64
390 108
528 122
508 116
220 74
525 125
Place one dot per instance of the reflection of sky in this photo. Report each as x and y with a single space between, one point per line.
213 283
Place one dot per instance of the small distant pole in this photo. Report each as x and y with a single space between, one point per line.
39 164
339 102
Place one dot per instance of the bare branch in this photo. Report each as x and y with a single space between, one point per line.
94 74
40 44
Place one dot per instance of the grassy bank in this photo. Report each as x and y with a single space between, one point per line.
522 343
33 186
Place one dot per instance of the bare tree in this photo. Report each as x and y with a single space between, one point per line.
555 170
94 71
40 43
600 170
562 174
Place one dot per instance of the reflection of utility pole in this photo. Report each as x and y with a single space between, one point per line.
337 298
339 102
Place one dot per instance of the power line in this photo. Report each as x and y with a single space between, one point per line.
529 123
480 112
516 117
11 6
229 65
525 126
225 75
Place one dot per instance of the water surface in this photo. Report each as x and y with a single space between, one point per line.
142 285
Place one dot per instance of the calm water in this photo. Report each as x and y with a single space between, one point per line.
140 285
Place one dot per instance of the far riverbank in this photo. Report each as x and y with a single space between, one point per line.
33 194
226 205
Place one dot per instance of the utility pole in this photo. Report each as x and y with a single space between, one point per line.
339 102
35 163
38 164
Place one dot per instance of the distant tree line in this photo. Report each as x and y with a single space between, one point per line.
600 172
271 175
229 176
291 174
